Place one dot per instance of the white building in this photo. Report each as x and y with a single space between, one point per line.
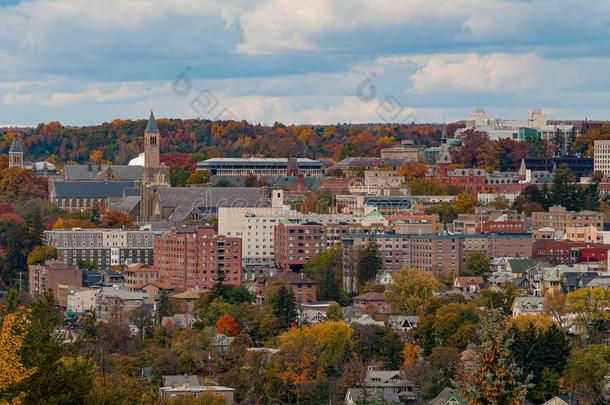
81 301
498 128
601 156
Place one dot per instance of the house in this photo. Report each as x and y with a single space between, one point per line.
186 300
403 323
154 290
312 316
520 267
372 298
181 321
222 342
527 305
176 386
388 386
469 284
448 396
556 401
365 320
572 281
498 280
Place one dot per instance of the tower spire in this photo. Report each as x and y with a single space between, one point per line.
151 126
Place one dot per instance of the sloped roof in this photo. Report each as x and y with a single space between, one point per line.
15 146
151 126
446 395
370 296
520 265
90 189
118 172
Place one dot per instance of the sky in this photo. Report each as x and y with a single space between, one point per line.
85 62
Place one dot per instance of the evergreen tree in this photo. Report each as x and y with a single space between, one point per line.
281 300
369 263
326 269
164 306
563 190
491 376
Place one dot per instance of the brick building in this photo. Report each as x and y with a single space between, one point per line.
304 289
437 254
51 275
568 252
193 257
296 243
136 275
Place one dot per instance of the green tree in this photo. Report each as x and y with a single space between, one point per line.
178 177
163 308
280 298
411 292
369 263
325 268
492 377
334 312
543 355
585 374
477 264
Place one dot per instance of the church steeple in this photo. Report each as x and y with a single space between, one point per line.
151 143
522 170
15 154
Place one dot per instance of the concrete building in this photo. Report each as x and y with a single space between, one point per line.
49 276
406 151
81 300
194 257
104 247
601 156
262 166
115 302
559 219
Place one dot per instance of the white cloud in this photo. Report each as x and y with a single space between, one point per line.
478 73
100 93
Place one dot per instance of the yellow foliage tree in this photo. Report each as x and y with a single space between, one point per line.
12 335
412 291
540 321
410 353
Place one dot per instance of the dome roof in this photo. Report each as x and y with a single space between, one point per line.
137 161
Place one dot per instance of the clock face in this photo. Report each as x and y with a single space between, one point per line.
154 148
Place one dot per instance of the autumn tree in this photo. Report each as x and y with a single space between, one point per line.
198 178
555 305
412 171
227 325
13 329
590 305
116 219
41 254
334 312
411 292
492 377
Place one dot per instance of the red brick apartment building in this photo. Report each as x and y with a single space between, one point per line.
50 275
304 289
192 257
568 252
295 244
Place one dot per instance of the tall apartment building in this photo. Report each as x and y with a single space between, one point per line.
193 258
601 156
105 247
559 218
446 254
256 226
296 243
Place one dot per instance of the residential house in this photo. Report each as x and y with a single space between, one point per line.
222 342
116 302
448 396
181 321
388 386
189 386
154 290
371 299
312 316
527 306
364 320
303 288
572 281
186 300
469 284
403 323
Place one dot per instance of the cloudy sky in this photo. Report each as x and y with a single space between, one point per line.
295 61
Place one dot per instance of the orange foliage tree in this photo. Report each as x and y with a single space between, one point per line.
412 171
116 219
227 325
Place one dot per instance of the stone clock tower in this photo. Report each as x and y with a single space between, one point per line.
155 175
